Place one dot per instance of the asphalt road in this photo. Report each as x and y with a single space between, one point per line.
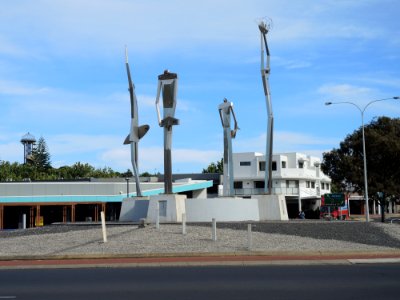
235 282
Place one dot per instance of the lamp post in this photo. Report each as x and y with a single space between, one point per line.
127 187
362 110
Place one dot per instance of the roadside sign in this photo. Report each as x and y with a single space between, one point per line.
334 199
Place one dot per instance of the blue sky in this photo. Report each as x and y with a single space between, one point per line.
62 75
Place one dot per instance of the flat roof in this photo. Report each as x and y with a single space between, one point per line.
31 199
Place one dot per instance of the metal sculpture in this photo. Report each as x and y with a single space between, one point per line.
136 132
225 109
265 71
168 84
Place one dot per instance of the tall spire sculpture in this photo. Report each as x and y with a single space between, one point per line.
225 109
136 132
265 71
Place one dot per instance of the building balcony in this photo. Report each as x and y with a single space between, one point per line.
291 191
260 191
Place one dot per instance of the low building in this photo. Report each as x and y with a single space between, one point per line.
39 203
295 175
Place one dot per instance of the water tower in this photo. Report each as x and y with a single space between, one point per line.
28 140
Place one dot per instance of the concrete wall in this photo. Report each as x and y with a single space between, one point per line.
222 209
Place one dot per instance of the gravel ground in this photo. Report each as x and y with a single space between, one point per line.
293 236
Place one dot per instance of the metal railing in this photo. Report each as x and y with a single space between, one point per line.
290 191
260 191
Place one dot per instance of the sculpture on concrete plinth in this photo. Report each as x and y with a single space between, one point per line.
264 27
225 109
168 84
136 132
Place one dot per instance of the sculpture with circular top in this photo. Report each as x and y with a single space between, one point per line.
168 85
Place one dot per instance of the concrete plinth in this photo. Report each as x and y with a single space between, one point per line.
170 208
272 207
133 209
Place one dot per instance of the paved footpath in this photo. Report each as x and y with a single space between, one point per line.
203 260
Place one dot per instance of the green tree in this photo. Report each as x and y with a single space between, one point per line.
79 170
41 156
345 164
217 167
128 173
17 172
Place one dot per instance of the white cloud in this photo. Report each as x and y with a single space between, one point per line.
62 144
195 156
152 158
346 92
8 87
290 63
153 26
11 49
12 152
381 80
285 141
290 140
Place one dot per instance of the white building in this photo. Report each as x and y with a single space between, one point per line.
297 176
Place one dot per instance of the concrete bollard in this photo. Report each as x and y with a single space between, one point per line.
214 229
249 237
158 215
24 221
103 226
183 223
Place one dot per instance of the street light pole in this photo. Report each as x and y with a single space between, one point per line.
362 110
127 187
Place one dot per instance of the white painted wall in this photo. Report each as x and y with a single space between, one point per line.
222 209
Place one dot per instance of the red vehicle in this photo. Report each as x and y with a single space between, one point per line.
332 212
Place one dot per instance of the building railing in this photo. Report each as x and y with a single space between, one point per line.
249 191
291 191
260 191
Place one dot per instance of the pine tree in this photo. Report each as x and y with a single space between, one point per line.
41 156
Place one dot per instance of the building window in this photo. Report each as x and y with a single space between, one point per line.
296 183
245 163
259 184
283 164
274 166
307 184
312 184
322 185
287 183
238 184
327 186
301 164
261 165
